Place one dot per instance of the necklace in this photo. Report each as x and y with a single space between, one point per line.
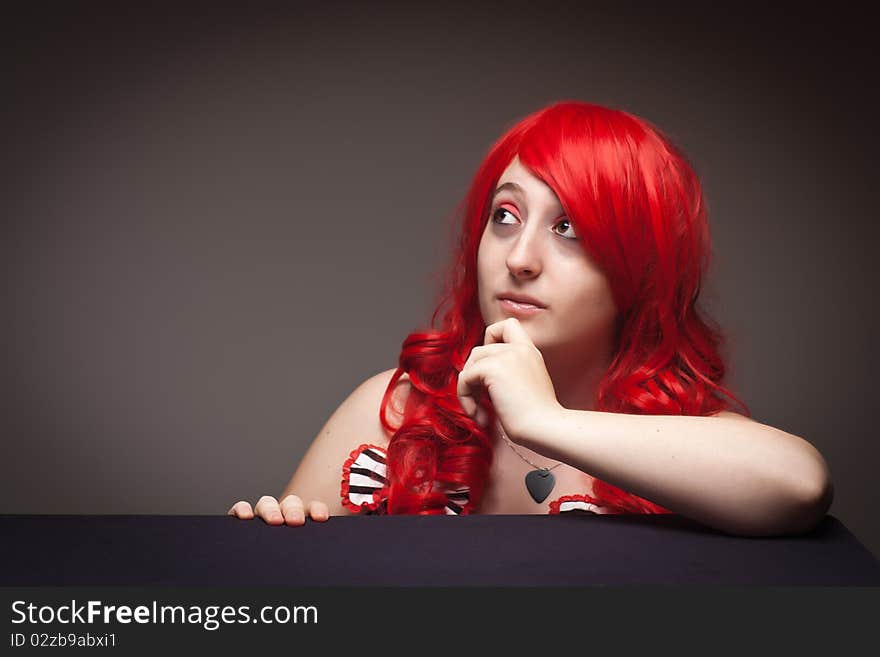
540 481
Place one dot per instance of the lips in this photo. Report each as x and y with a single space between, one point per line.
517 309
521 299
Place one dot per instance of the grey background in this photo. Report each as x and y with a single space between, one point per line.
217 222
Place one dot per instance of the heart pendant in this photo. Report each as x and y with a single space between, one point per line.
540 483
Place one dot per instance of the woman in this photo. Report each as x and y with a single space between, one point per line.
572 369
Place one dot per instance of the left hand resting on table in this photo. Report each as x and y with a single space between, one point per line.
511 369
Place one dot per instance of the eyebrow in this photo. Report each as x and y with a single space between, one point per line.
516 189
512 186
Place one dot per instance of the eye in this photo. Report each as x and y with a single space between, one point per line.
566 222
502 212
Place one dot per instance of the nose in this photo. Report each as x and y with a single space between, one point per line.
524 260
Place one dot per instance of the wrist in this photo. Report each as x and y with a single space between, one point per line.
538 425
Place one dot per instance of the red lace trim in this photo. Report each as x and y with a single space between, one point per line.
557 503
378 496
622 505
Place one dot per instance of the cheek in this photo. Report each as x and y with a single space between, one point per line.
484 268
483 285
591 306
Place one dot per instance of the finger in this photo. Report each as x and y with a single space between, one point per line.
481 417
241 509
267 509
466 395
470 380
468 405
293 511
484 351
474 411
509 330
319 511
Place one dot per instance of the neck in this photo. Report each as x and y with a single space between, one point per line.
576 379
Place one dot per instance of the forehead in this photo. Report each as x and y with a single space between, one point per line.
526 183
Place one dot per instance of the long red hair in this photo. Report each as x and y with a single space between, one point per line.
638 210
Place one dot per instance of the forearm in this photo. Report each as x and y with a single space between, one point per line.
730 473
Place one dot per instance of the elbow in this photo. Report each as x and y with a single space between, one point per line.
798 508
806 512
817 495
789 518
808 505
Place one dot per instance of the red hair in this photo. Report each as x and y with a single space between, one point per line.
638 210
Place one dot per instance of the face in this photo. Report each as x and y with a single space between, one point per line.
530 249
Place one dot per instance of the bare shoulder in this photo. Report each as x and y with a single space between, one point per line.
355 422
371 392
732 415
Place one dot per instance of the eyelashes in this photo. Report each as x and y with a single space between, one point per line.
498 212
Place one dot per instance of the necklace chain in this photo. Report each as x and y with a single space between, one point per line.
516 451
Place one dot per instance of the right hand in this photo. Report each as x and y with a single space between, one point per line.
291 511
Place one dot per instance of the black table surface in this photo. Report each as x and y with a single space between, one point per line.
416 551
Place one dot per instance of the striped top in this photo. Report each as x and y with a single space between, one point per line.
365 489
